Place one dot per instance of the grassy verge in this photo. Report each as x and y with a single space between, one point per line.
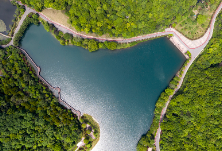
148 139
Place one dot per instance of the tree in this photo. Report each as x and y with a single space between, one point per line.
67 36
201 19
112 45
93 45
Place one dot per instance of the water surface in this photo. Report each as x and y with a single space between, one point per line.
7 10
118 88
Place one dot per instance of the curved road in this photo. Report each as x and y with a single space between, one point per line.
194 53
194 46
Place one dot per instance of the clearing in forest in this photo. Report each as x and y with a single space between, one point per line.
195 23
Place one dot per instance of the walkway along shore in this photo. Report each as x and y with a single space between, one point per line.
194 46
182 40
194 54
55 88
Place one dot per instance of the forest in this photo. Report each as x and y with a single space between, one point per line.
30 116
122 18
193 118
68 39
148 139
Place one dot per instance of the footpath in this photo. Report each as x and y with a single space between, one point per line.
199 45
180 41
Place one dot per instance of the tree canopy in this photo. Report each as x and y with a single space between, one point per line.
30 116
126 18
193 118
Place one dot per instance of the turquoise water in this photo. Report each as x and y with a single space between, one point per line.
118 88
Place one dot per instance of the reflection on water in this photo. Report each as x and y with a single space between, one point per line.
7 10
118 88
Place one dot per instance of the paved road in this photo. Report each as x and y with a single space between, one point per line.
195 46
27 11
194 52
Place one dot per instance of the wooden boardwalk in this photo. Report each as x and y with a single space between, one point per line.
78 113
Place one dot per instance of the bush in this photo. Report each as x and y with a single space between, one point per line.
5 42
201 19
83 125
67 36
61 33
88 132
86 141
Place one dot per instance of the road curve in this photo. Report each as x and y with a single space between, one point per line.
194 53
194 46
189 44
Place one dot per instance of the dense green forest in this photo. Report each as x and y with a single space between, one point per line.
68 39
126 18
30 116
193 118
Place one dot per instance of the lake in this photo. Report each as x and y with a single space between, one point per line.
7 10
118 88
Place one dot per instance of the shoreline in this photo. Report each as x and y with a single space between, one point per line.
62 102
141 38
167 31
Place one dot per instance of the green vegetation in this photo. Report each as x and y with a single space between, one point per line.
30 116
5 42
31 18
2 26
18 14
193 118
90 143
90 44
195 23
147 140
121 18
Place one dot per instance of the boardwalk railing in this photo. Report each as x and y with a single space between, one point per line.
38 70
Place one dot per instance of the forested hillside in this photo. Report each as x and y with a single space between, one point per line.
193 118
30 116
126 18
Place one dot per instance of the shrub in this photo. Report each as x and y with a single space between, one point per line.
88 132
86 141
60 33
5 42
67 36
83 125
